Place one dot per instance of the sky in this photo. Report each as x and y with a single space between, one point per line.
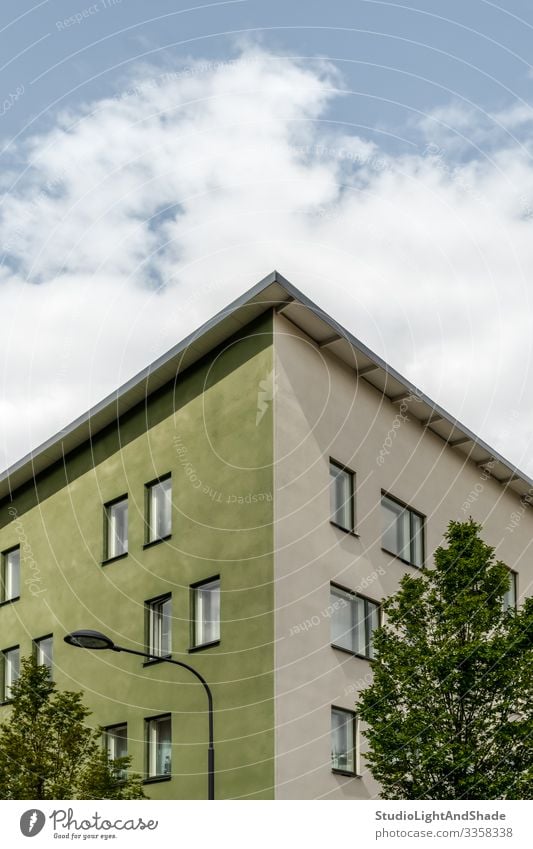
157 160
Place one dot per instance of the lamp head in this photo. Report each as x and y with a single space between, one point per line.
89 640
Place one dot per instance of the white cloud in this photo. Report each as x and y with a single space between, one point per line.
139 216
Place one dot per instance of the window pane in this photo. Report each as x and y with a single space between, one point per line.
161 627
117 746
11 576
159 747
341 620
372 624
11 671
163 748
405 535
117 541
341 492
154 641
359 625
509 599
342 748
160 509
417 526
117 742
391 525
403 532
166 626
353 620
207 613
45 652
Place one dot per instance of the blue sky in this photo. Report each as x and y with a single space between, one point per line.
158 160
396 58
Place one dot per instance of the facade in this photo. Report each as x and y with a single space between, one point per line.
244 505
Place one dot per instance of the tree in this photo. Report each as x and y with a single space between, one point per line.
47 751
450 711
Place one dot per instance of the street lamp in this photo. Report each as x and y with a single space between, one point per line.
97 641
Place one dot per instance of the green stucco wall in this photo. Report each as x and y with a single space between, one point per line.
204 429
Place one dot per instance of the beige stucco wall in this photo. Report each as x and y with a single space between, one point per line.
321 411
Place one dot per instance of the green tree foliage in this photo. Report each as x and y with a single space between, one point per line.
48 752
449 714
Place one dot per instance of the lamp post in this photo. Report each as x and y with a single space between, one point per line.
97 641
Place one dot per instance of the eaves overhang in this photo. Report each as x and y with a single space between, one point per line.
273 292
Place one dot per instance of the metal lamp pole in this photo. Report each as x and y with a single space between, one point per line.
97 641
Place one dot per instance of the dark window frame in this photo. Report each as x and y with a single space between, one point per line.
352 474
106 728
148 607
35 643
105 731
3 555
107 558
412 511
367 600
355 737
193 646
513 575
148 543
3 652
153 779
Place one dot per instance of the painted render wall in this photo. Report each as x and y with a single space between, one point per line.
204 428
321 412
275 679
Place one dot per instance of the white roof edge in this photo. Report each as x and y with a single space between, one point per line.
255 300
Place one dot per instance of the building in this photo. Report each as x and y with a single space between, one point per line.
244 503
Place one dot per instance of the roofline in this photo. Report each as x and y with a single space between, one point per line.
43 456
411 387
27 462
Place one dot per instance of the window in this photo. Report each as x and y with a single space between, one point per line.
10 575
403 531
509 599
353 621
159 509
344 757
159 745
206 612
116 743
43 650
342 496
117 528
159 626
11 668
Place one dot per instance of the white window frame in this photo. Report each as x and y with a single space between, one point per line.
159 505
153 732
200 625
159 609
